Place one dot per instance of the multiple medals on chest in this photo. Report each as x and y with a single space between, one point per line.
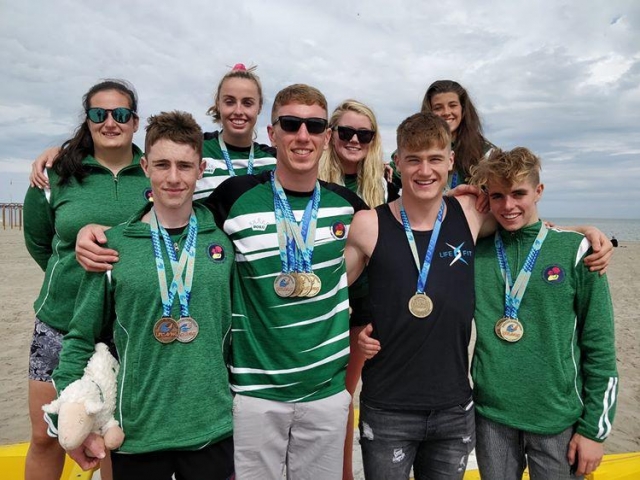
420 305
509 328
167 330
296 242
227 157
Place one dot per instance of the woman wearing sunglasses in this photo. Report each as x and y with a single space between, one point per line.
354 159
96 178
231 151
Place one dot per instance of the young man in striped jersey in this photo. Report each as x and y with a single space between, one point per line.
544 367
291 331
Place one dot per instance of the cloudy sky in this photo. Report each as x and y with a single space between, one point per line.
559 77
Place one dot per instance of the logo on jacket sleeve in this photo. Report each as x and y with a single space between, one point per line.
148 194
338 230
216 252
553 274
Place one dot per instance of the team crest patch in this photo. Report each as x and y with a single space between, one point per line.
553 274
338 230
148 194
216 252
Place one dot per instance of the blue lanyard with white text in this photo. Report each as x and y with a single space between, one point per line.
187 261
295 240
227 158
514 292
424 271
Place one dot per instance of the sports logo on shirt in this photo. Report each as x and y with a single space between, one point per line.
338 230
457 254
216 252
258 225
553 274
148 194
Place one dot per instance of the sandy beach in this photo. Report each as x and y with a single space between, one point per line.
20 280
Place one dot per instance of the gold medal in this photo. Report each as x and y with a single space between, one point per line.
316 285
511 330
420 305
165 330
284 285
498 325
187 329
303 284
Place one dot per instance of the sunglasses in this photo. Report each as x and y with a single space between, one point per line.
120 114
346 134
291 124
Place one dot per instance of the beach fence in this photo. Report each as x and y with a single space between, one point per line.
11 215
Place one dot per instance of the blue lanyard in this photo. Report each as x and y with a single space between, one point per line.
187 261
296 242
514 292
454 179
426 266
227 157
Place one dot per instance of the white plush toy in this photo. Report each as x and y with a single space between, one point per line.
87 405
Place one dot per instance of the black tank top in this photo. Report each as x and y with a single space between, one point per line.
423 363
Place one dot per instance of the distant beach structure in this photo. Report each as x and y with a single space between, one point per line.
11 215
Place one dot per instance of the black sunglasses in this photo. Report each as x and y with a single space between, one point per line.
120 114
292 124
346 134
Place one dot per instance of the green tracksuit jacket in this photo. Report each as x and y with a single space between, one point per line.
563 370
53 217
170 396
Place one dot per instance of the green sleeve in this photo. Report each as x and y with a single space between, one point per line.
396 174
39 228
598 356
93 313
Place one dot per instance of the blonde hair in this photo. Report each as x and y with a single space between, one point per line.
421 131
370 169
508 167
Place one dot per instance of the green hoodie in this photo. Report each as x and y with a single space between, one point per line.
563 370
170 396
53 217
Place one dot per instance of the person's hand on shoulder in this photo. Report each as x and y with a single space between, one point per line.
37 177
482 199
600 259
90 255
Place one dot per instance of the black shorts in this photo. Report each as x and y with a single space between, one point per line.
213 462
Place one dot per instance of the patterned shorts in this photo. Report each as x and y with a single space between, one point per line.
45 352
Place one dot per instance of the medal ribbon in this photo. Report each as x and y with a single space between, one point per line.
514 292
187 260
424 271
454 180
296 241
227 157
